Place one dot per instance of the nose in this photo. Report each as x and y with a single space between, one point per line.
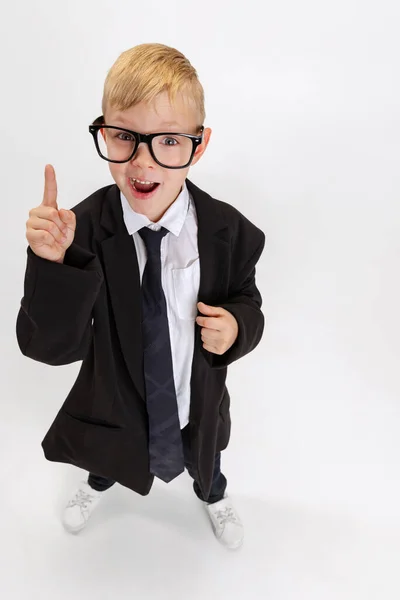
142 157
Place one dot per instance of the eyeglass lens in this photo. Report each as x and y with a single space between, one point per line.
169 150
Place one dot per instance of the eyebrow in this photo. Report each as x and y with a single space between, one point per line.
168 123
163 124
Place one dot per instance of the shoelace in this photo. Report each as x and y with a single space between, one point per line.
81 499
226 516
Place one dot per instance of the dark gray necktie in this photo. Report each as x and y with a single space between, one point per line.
165 438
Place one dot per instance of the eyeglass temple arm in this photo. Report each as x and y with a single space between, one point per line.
99 120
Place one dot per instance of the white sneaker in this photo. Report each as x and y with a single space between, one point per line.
226 523
80 507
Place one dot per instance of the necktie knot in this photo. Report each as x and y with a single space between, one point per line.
152 239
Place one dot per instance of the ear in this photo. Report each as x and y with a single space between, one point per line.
201 148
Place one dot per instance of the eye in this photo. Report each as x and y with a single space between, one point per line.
169 141
125 137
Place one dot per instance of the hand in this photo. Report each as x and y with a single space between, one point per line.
50 231
219 328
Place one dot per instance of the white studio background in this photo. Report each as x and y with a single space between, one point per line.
303 99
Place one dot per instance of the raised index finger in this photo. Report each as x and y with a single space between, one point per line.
50 187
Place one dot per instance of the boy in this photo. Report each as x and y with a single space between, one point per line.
151 283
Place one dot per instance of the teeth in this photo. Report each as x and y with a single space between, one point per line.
142 182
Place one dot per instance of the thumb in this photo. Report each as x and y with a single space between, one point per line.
208 310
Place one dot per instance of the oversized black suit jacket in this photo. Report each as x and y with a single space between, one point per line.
88 309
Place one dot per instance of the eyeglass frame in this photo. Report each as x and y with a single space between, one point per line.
146 138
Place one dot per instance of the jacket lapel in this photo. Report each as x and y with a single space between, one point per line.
213 244
214 248
123 277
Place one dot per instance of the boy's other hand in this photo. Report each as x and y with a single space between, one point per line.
50 231
219 328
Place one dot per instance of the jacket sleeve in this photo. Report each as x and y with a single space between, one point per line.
54 323
245 304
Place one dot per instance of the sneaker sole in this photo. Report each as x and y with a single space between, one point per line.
234 547
229 547
70 529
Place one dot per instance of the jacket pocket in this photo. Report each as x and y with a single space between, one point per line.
85 420
87 444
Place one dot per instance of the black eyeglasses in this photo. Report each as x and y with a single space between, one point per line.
119 145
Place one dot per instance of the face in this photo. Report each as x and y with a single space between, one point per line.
159 116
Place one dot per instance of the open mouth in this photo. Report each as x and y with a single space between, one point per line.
143 187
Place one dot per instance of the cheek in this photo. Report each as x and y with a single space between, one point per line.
175 178
117 171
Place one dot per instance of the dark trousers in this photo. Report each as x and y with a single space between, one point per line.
218 485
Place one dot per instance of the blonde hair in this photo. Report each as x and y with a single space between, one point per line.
144 71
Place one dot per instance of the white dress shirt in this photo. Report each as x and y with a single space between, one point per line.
180 279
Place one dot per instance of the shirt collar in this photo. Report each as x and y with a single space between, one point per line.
173 219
